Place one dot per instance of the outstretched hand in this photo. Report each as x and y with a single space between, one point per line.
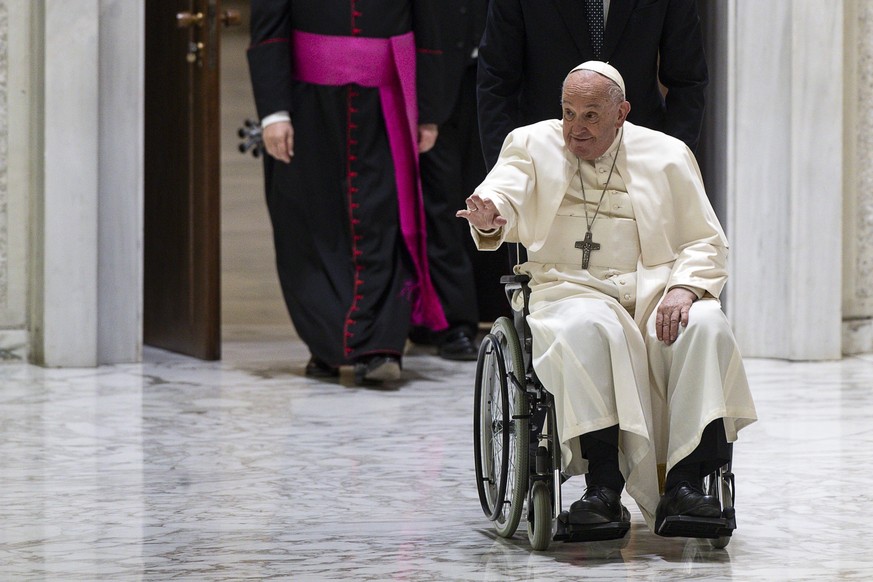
481 213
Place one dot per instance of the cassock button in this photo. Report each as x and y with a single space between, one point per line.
621 282
627 297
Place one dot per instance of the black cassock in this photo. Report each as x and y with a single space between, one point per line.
345 272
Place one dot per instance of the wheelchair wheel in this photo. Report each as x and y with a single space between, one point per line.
500 419
539 528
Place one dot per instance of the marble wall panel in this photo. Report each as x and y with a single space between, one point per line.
14 177
857 299
786 198
4 154
861 288
69 243
122 104
759 185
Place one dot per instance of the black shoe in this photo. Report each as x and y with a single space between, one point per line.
421 336
377 369
459 345
686 500
598 505
316 368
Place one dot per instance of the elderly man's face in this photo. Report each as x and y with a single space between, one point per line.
591 116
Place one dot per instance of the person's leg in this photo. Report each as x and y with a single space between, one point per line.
683 493
713 452
695 381
378 316
488 267
601 502
583 356
312 260
451 270
695 378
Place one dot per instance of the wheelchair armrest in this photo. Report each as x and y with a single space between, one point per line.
522 278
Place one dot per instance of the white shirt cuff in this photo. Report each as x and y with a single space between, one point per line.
275 118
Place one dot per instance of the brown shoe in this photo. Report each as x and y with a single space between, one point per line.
377 369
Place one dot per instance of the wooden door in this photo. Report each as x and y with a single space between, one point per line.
182 303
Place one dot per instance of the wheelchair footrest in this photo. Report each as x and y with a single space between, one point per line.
568 532
696 527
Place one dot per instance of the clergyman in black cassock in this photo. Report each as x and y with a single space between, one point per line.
346 215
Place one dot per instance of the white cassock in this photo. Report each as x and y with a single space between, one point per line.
594 342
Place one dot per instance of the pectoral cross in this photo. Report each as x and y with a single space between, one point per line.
587 246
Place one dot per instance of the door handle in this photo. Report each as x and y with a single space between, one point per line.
198 20
189 19
231 18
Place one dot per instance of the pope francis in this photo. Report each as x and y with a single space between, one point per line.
626 260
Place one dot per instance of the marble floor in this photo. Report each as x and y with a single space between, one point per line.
244 469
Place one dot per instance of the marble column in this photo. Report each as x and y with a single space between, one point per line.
857 296
86 257
784 176
14 179
122 110
65 252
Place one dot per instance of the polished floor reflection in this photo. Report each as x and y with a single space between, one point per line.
245 469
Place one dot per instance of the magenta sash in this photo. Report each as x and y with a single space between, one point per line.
389 65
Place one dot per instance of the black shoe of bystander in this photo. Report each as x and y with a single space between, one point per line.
458 344
316 368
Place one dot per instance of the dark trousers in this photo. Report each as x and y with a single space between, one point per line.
713 452
467 280
600 447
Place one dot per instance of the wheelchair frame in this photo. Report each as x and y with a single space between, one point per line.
514 474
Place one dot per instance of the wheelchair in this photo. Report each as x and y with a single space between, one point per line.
517 451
